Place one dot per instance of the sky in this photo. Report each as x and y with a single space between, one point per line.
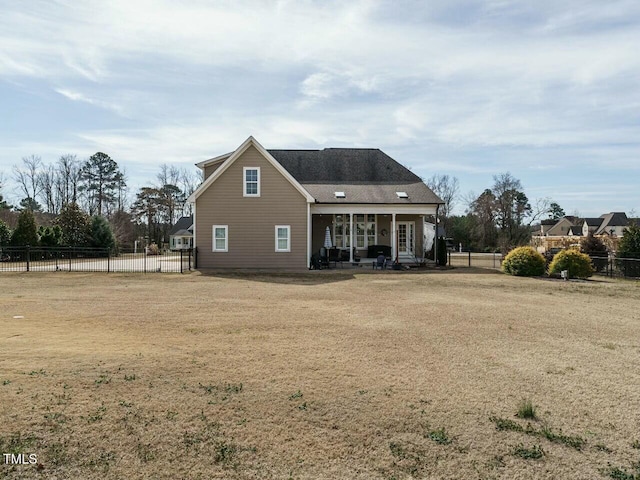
548 91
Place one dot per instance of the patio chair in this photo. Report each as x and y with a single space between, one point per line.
335 257
381 262
324 258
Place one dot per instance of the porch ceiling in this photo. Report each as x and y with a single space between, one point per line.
425 209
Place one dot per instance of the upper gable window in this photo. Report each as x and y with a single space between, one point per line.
340 195
402 195
251 181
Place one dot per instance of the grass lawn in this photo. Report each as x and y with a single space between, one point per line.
321 375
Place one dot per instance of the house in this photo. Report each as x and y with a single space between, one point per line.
613 224
561 226
591 225
181 235
564 231
261 208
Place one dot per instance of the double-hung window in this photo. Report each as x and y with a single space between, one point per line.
365 226
251 181
283 238
220 238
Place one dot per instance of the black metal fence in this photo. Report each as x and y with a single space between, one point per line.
617 267
71 259
610 266
474 259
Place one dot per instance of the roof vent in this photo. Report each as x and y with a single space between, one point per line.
340 195
402 195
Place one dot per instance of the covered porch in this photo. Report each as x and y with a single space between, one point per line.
402 233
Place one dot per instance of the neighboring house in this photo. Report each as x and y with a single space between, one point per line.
545 225
563 232
613 224
561 226
575 231
262 208
591 225
181 235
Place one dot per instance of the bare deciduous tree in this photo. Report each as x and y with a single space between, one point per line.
28 176
68 179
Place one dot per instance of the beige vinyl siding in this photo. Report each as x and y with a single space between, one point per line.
251 220
208 170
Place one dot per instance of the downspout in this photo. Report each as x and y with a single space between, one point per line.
435 245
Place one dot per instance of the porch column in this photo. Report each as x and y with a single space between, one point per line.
309 233
393 237
351 237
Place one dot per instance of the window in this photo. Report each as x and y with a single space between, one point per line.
341 232
283 238
251 181
402 195
360 243
340 195
371 230
220 238
365 230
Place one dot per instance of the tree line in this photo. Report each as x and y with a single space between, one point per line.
498 219
87 203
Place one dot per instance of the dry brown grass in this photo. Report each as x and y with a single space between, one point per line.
387 375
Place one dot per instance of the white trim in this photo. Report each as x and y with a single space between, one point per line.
245 182
288 227
194 229
309 233
351 237
393 238
411 229
226 238
206 163
386 208
239 151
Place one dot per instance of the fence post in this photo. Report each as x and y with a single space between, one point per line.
469 257
144 252
494 259
28 256
181 261
190 250
108 260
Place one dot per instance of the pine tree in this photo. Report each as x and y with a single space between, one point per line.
100 234
74 224
101 180
593 246
5 233
26 232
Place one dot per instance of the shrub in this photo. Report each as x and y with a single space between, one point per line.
577 264
524 262
153 249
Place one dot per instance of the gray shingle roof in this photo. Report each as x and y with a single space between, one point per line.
182 226
366 175
593 222
613 219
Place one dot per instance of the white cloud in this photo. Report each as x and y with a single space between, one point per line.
191 80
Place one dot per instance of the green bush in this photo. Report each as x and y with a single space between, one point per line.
577 264
524 262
